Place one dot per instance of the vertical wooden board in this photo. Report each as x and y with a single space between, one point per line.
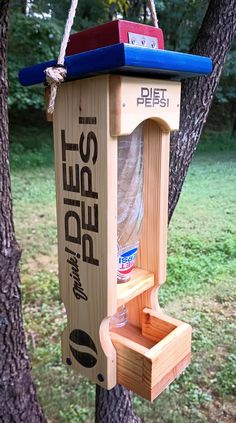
152 255
86 185
153 243
136 305
169 377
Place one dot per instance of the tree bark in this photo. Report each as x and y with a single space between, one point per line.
114 406
18 401
214 40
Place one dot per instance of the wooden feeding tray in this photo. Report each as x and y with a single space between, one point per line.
150 358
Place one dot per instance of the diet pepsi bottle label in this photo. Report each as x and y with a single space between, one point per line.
126 260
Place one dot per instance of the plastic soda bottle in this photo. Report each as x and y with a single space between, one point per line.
130 210
130 201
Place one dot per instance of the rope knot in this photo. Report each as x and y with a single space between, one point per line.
55 74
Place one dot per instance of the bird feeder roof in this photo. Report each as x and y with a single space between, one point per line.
123 59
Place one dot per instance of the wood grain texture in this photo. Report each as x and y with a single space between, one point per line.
153 243
152 347
139 282
134 100
86 184
147 364
152 253
148 298
155 328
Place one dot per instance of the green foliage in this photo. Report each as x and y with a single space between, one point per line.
180 21
32 40
31 144
226 378
91 13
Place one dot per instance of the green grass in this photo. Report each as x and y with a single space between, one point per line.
199 289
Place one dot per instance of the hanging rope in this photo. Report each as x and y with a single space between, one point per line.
55 75
152 8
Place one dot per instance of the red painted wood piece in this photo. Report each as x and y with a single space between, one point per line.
114 32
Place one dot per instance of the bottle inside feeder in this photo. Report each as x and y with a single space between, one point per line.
129 209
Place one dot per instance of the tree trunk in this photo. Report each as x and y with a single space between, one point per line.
114 406
214 40
18 402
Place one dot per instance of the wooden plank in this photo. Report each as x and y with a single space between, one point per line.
123 58
141 387
132 337
135 307
154 326
114 32
168 352
153 243
134 100
86 185
171 343
150 315
169 377
140 281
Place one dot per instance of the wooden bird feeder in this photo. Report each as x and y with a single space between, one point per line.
109 91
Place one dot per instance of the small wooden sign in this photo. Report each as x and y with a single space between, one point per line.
136 99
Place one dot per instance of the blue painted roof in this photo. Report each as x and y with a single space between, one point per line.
123 58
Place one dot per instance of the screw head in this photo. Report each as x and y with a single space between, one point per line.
100 377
